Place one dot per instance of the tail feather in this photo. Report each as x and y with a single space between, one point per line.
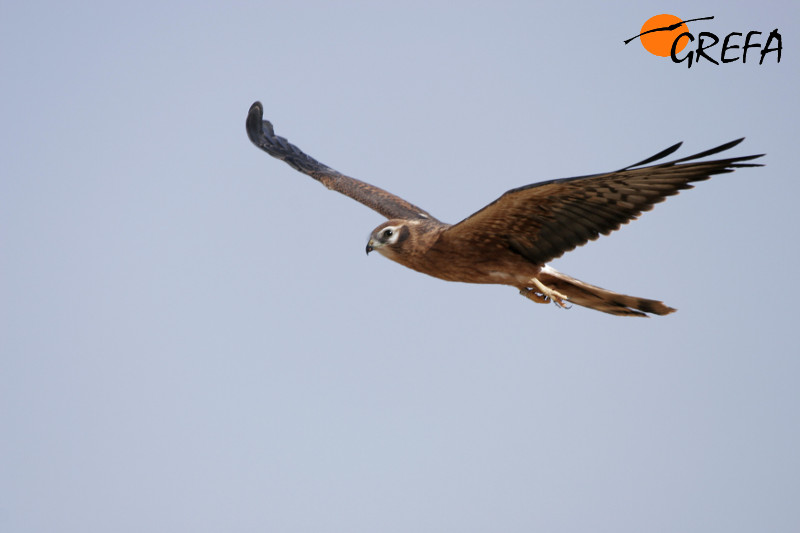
593 297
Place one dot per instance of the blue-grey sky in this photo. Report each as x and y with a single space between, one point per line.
192 339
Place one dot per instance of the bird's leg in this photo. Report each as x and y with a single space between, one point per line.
554 296
534 296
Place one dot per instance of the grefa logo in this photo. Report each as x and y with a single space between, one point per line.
668 35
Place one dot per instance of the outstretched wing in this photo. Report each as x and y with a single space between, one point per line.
544 220
262 135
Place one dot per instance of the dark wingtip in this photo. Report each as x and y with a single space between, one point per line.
712 151
256 126
253 123
660 155
734 162
257 108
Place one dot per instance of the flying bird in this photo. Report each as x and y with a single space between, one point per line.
511 240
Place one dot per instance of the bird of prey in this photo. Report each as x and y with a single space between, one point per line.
511 240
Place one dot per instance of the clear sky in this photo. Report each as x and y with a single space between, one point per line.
192 338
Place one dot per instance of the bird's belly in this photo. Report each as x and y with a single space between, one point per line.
507 278
514 272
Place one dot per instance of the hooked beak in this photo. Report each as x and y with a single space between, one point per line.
369 247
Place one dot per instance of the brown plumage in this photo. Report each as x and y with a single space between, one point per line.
511 240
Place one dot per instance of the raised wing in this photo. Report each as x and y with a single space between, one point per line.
262 135
544 220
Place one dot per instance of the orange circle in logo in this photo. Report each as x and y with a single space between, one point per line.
660 42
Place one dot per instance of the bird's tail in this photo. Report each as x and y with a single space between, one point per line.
586 295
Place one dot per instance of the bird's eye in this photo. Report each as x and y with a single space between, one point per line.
387 233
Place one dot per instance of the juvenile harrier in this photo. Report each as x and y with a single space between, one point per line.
510 241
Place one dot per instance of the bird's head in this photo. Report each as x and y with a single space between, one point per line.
390 238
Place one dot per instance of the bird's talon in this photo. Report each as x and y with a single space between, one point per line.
534 296
551 294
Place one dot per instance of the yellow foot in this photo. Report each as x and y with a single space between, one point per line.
534 296
554 296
